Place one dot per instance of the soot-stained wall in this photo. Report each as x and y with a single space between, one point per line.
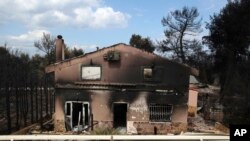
101 107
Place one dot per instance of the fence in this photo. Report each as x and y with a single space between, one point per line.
115 137
20 107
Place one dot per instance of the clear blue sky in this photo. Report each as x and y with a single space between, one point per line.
90 23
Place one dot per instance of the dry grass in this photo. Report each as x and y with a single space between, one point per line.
105 131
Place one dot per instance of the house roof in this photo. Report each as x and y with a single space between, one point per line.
205 89
52 67
120 87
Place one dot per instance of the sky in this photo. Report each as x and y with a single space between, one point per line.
87 24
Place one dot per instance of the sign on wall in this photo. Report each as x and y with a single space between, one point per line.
91 72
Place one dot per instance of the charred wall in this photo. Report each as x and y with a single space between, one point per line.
101 106
123 73
129 69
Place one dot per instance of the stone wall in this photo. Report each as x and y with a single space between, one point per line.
160 128
103 124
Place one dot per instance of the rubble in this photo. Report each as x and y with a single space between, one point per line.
195 125
221 127
200 125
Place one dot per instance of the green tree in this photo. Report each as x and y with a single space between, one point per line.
77 52
229 41
70 53
142 43
181 25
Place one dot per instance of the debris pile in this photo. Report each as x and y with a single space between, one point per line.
198 124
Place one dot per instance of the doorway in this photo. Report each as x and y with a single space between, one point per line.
120 114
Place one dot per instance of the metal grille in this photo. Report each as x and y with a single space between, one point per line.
160 112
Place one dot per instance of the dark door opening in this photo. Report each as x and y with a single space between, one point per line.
77 110
120 114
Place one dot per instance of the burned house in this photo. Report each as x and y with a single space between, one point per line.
204 99
120 86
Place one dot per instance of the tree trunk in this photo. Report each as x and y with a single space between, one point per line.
36 104
31 103
46 96
25 105
17 108
182 55
41 106
7 94
21 106
49 95
231 67
225 86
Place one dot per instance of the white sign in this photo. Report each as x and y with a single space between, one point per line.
91 72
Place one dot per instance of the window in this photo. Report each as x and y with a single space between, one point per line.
91 72
147 73
154 74
160 112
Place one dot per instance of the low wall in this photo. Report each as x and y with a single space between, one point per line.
161 128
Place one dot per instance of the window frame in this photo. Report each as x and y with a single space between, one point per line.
143 75
90 66
157 74
158 114
69 117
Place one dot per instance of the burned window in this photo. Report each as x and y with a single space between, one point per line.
77 113
160 112
154 74
148 73
91 72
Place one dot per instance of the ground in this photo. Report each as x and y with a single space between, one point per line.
195 125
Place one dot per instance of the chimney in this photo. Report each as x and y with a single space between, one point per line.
59 48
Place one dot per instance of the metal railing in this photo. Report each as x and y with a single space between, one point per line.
116 137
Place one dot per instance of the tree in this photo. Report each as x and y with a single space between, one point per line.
5 83
77 52
70 53
229 41
142 43
20 79
180 26
46 45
